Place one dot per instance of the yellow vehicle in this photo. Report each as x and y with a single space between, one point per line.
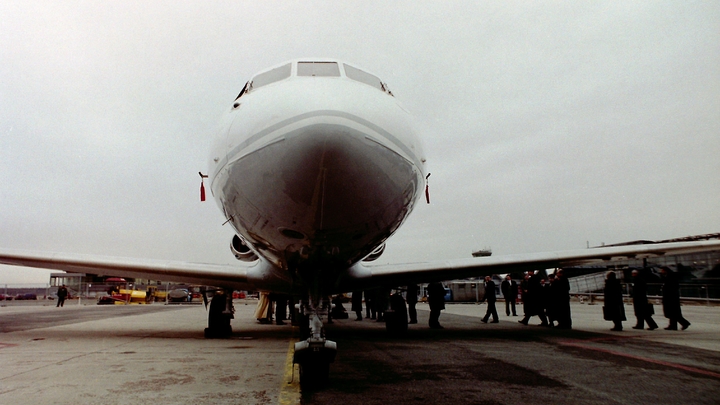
153 294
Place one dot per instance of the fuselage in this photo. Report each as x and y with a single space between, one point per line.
316 166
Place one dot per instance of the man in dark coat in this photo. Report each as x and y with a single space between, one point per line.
382 300
370 304
671 300
548 299
561 300
490 298
62 295
356 305
524 289
436 299
412 291
643 309
532 300
281 306
509 290
614 309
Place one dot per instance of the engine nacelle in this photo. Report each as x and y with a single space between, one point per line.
241 250
375 253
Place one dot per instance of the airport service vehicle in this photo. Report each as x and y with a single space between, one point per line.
316 165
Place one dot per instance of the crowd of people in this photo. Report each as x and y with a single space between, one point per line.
614 310
548 298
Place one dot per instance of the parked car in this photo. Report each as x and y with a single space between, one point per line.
5 297
27 296
179 295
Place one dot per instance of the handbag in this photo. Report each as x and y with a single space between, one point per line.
605 314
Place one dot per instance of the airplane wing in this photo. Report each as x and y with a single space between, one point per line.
194 273
362 275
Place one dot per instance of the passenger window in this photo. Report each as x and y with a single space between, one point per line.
271 76
326 69
362 76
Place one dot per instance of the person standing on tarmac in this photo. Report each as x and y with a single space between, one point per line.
614 309
532 300
436 299
281 306
547 299
509 290
356 305
560 289
412 292
490 298
525 296
263 312
369 304
62 295
671 300
382 300
643 309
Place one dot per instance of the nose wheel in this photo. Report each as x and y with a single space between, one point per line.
315 353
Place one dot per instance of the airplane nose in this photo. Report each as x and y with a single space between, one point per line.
341 177
332 184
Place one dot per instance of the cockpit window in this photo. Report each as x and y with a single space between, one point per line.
327 69
362 76
272 76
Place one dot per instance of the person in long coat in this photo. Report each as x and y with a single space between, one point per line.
614 309
532 300
436 299
382 300
671 300
62 295
356 305
263 311
412 291
548 299
490 298
643 309
524 291
369 304
561 299
509 290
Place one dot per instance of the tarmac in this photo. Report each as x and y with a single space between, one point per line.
88 354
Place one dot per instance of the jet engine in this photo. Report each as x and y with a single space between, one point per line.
375 253
241 250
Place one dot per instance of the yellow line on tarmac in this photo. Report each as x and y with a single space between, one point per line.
290 386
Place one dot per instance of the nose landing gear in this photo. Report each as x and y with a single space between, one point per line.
314 354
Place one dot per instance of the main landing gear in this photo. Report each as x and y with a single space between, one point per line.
315 353
219 316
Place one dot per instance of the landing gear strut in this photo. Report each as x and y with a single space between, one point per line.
314 354
219 316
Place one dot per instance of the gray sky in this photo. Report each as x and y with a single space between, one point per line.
546 125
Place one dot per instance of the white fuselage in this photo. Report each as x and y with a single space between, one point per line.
314 173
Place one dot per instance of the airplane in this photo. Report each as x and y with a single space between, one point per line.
317 164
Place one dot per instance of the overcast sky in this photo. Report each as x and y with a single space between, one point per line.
547 125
